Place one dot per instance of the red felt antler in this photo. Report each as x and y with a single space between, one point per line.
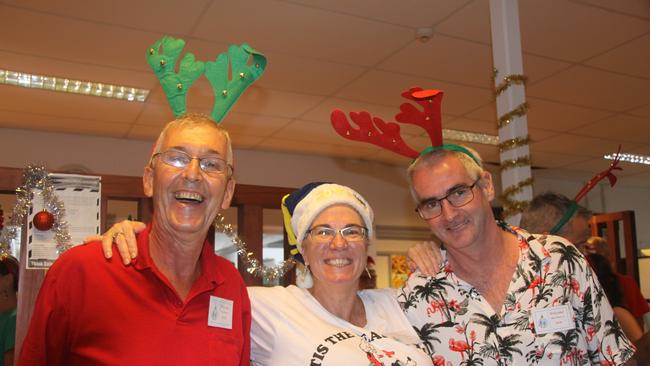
387 134
598 177
430 119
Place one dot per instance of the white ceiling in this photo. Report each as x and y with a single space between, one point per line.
588 64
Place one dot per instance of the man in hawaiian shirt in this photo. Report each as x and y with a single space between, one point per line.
502 296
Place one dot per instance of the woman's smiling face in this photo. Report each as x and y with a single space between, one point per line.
338 261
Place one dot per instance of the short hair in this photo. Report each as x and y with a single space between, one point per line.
9 265
193 120
546 210
474 168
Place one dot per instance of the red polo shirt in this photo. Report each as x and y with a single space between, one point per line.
91 311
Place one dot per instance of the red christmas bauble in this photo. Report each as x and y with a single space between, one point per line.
43 220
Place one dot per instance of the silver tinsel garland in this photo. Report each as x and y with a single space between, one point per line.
252 264
36 177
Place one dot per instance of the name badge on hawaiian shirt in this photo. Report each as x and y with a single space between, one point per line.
553 319
220 313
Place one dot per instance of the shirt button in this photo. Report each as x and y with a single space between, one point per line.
179 303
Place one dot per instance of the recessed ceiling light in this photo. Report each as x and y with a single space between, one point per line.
64 85
630 158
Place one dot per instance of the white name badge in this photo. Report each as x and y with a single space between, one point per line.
553 319
220 313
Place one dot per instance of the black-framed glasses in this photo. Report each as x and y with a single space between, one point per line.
210 164
325 234
457 197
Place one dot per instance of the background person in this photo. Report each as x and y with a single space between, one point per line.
634 300
9 274
614 293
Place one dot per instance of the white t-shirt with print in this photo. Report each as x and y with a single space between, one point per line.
290 327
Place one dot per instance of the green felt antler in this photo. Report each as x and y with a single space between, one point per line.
174 84
231 74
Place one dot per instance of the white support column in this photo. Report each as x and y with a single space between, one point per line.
506 56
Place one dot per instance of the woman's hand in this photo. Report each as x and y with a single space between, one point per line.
426 257
123 235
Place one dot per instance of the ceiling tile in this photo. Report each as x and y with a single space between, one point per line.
537 134
444 58
35 121
638 8
643 111
411 13
72 40
555 27
537 68
593 88
622 128
486 112
553 160
576 145
254 125
306 75
309 31
631 58
76 106
472 125
152 15
385 88
472 22
275 103
560 117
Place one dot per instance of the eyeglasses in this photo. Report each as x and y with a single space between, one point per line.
458 197
325 235
211 165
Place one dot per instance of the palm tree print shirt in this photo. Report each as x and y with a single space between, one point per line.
459 327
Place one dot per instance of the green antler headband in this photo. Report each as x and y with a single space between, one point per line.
230 74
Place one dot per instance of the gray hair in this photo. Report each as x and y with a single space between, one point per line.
473 169
546 210
194 120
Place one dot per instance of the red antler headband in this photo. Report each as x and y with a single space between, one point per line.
588 187
376 131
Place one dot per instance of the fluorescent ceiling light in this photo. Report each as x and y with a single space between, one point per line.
630 158
73 86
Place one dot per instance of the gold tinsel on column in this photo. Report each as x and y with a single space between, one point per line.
510 205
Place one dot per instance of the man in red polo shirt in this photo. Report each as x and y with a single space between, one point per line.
179 303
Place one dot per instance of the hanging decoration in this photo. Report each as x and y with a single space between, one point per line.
35 177
512 206
253 265
43 220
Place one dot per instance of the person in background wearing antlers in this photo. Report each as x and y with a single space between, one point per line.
179 304
501 296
